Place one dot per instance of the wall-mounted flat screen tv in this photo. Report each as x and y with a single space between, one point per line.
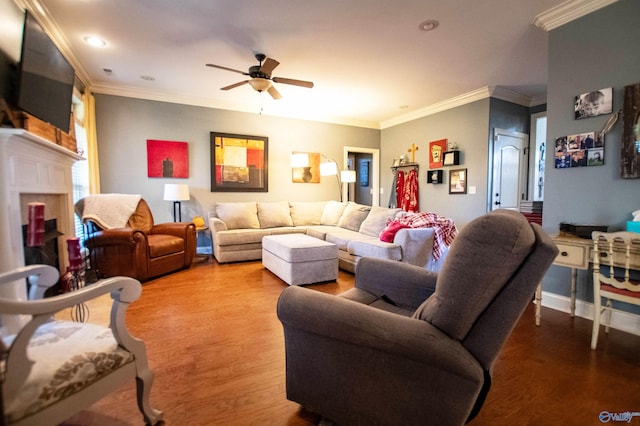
45 87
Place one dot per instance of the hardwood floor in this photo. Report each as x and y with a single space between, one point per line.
216 348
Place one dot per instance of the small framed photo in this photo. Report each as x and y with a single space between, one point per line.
458 181
451 158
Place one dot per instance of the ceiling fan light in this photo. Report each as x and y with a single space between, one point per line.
260 84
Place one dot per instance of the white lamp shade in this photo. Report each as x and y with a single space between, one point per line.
328 169
176 192
348 176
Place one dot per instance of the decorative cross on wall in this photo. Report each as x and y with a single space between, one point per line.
413 150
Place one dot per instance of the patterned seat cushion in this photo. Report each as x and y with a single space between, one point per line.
68 357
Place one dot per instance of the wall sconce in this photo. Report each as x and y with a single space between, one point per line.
176 193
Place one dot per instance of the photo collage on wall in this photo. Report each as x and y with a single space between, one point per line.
581 150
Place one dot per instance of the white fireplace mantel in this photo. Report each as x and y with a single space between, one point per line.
33 166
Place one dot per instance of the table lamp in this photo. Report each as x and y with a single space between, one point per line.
176 193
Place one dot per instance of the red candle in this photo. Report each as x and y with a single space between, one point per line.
75 258
35 227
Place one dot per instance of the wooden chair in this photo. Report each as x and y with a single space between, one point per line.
614 276
53 368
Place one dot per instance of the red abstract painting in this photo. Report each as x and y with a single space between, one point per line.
167 159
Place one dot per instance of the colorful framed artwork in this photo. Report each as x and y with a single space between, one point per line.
309 173
239 163
436 153
458 181
167 159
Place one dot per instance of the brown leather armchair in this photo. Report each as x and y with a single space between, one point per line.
141 250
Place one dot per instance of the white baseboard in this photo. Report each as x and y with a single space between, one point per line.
620 320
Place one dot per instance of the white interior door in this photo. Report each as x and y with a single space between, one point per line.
509 169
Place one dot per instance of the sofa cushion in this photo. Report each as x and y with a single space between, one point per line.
332 212
342 237
240 236
377 219
163 244
306 213
353 216
272 215
238 215
373 247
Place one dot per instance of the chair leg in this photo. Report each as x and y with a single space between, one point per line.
609 310
143 387
597 311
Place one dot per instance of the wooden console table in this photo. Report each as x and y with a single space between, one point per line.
577 253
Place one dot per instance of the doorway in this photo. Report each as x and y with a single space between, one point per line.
510 160
366 163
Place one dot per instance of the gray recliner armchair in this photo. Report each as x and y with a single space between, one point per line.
407 346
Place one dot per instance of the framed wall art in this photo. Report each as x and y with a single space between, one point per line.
579 150
309 173
592 104
167 159
436 152
630 147
239 163
458 181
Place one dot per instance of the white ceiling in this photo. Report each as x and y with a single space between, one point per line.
371 64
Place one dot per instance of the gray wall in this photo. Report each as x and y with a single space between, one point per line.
597 51
125 124
466 125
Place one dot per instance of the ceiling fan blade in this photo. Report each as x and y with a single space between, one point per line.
274 92
232 86
300 83
227 69
268 66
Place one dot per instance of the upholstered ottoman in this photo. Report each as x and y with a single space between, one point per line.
300 259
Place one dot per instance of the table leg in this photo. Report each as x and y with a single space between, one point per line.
574 279
538 303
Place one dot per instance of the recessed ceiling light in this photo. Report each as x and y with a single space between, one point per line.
147 77
429 25
95 41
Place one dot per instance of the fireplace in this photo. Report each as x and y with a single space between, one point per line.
31 169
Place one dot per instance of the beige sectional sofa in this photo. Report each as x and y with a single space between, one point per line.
237 230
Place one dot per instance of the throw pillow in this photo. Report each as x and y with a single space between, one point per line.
272 215
353 216
377 219
238 215
332 212
389 232
306 213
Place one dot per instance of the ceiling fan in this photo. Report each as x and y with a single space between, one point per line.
261 79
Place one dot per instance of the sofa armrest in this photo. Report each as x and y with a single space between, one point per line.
177 229
216 225
117 236
417 245
400 283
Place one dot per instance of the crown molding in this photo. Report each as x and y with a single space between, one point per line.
143 94
476 95
567 12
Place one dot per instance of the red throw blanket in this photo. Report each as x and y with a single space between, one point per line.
445 229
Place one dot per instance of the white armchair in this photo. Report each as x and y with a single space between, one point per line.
54 369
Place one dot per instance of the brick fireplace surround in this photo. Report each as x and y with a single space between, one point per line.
31 169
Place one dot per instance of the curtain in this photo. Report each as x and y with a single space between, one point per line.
92 142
